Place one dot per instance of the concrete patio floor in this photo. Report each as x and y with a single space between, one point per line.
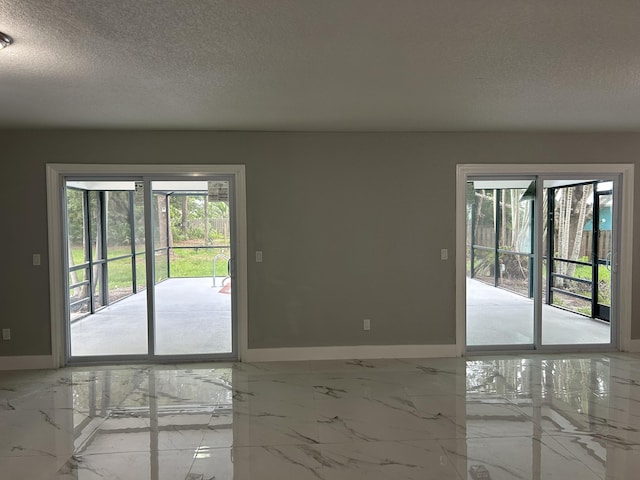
192 317
498 317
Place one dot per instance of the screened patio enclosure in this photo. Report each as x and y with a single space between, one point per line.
113 230
577 238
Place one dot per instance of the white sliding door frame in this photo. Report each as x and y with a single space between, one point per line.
621 329
56 174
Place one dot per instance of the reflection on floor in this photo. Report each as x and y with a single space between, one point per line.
498 317
564 417
192 316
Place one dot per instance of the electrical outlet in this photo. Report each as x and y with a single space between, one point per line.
6 334
366 324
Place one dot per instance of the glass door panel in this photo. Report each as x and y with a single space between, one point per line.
78 254
528 288
97 229
161 234
107 316
139 252
193 294
603 251
571 275
500 308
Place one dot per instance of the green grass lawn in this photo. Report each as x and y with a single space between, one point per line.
191 262
584 271
198 262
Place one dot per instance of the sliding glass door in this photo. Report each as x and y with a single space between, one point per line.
577 280
500 307
539 262
106 265
192 249
150 268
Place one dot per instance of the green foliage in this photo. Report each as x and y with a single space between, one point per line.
194 222
75 215
584 310
118 218
193 227
604 280
559 301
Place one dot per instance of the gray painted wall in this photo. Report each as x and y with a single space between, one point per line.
387 195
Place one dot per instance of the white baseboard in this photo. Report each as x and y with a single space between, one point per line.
345 353
26 362
633 346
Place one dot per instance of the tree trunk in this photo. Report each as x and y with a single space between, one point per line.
206 221
579 226
503 222
480 200
162 222
564 229
168 201
185 213
74 275
97 269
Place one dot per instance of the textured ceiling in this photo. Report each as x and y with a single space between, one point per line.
322 65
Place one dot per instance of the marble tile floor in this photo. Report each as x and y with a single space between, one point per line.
571 416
